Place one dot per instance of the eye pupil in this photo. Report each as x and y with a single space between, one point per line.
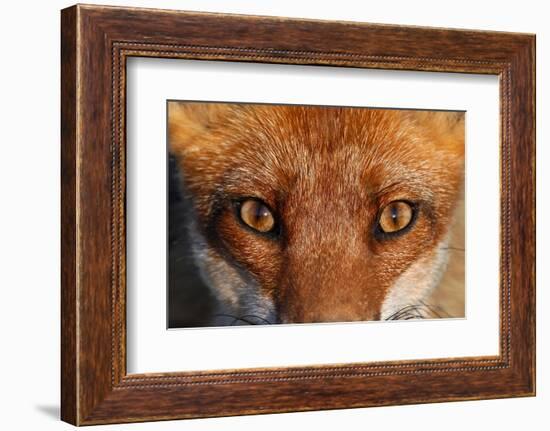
256 215
394 213
262 212
395 216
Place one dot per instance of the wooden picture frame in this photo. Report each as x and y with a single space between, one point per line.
95 43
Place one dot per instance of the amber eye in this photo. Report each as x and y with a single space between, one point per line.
257 215
395 216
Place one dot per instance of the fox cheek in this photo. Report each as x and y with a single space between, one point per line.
240 295
405 296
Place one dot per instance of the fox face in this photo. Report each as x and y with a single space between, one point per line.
318 214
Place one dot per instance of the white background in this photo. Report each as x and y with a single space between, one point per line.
29 228
151 348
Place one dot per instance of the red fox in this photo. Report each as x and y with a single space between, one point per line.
318 214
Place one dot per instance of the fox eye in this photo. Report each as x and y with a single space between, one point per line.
395 216
256 215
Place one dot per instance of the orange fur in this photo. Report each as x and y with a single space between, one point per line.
325 172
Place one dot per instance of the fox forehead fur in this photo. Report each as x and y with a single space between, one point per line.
326 173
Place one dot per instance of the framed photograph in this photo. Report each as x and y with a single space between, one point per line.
329 214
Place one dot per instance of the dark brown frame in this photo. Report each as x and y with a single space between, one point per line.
95 43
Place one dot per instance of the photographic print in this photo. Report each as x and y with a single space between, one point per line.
283 212
289 214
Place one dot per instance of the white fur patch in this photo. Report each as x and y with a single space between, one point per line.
417 282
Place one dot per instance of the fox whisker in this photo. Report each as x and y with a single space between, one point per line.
267 322
453 248
422 310
244 319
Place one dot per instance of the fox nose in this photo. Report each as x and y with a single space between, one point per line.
336 286
308 302
330 314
